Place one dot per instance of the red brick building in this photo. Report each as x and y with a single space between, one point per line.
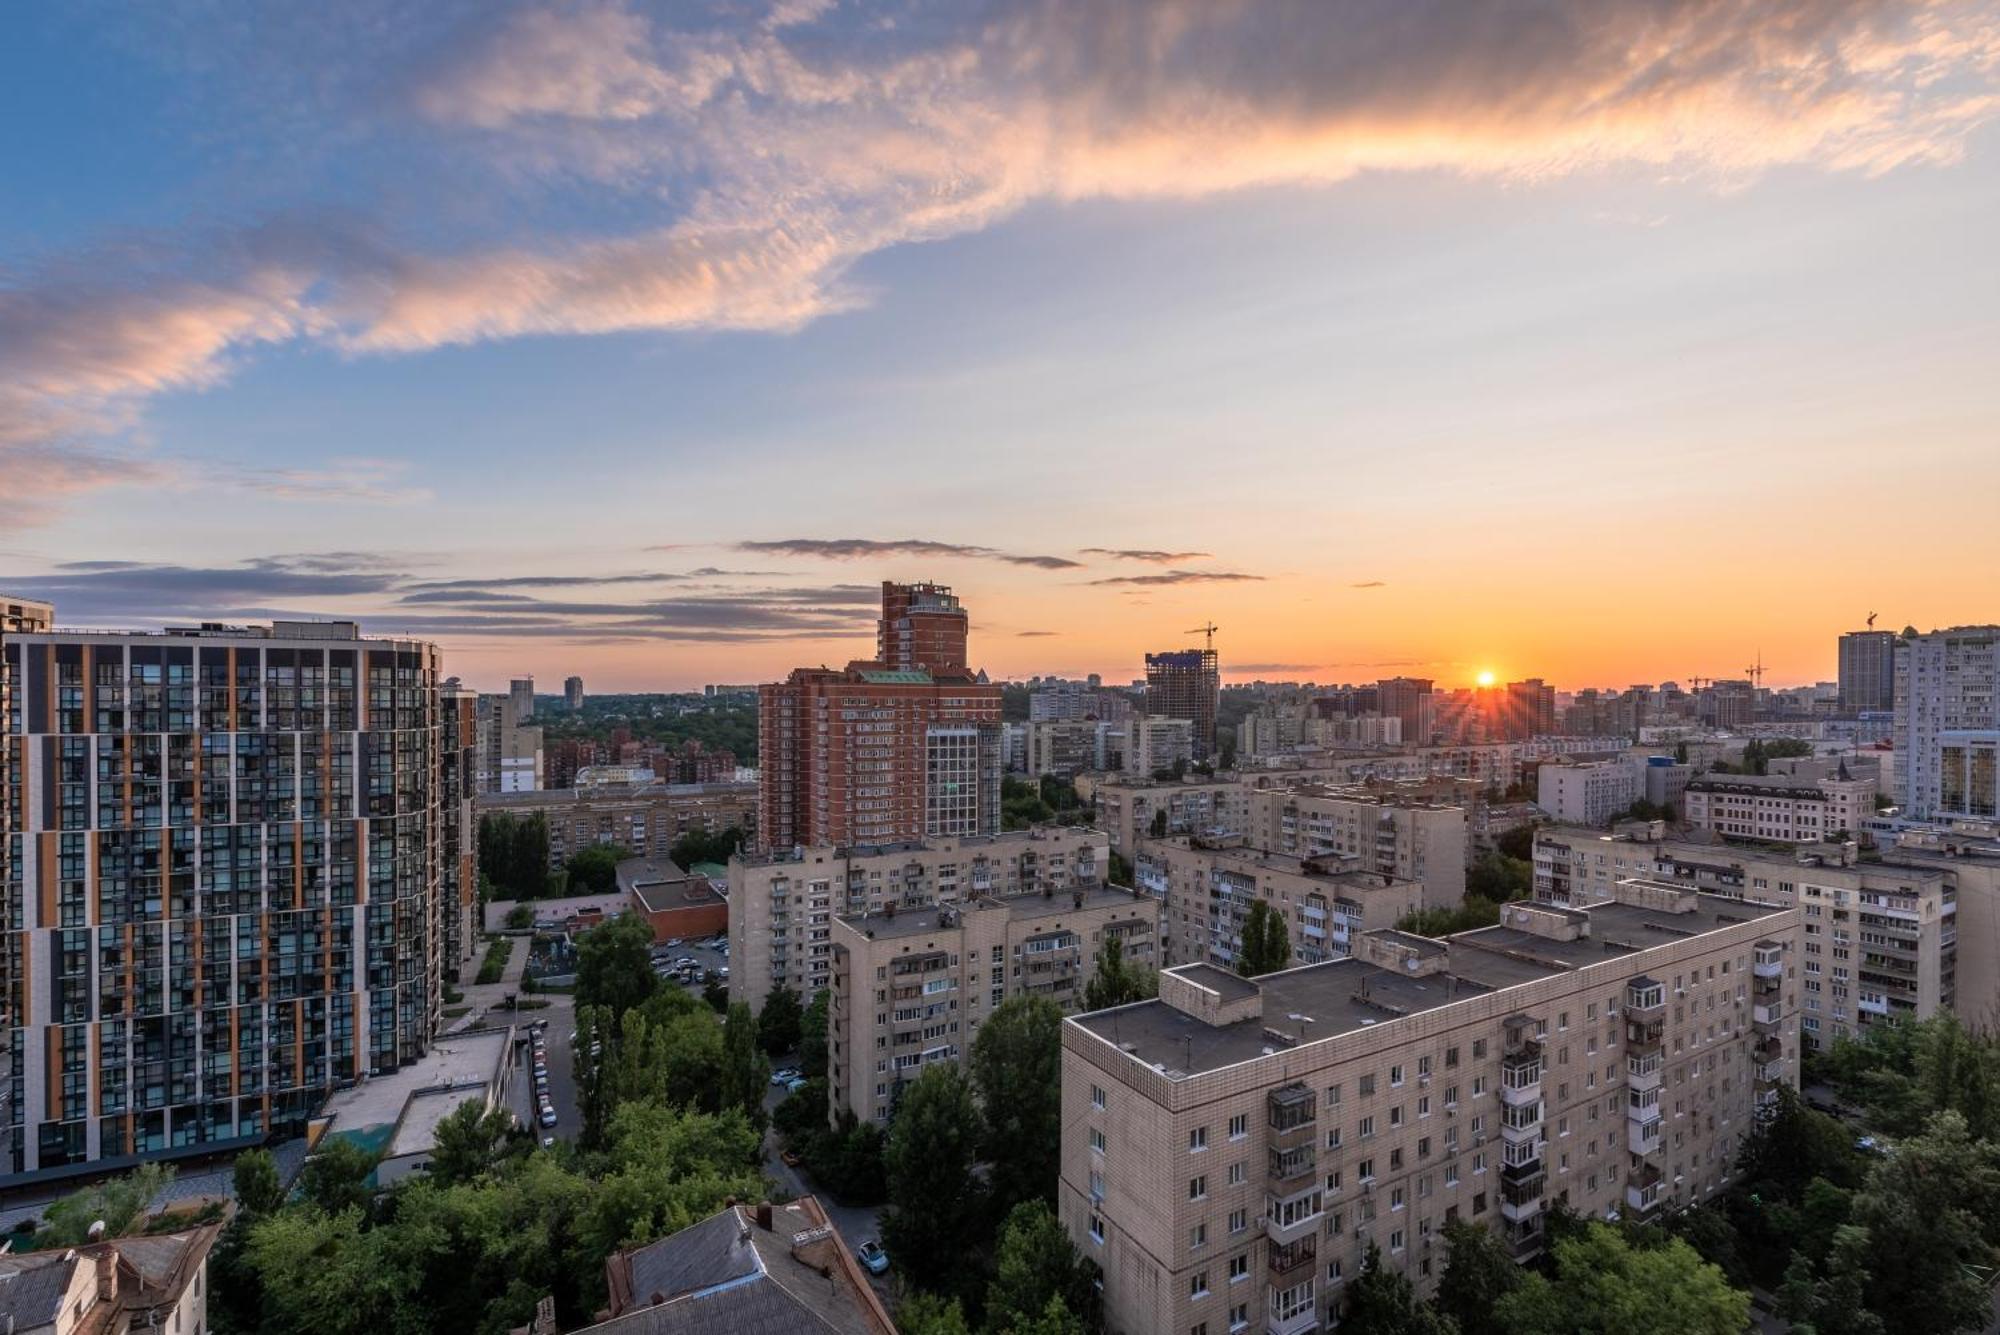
904 746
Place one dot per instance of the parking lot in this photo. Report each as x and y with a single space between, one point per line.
705 957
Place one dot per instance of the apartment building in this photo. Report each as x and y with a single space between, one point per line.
511 757
906 746
458 796
1154 744
1589 792
1232 1148
643 818
1127 808
1879 939
1405 699
223 882
573 694
1068 747
911 986
1779 808
782 903
1867 670
1406 838
1947 727
521 695
1207 888
1186 684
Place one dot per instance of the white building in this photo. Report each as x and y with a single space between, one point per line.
1153 743
1778 807
1948 723
1591 792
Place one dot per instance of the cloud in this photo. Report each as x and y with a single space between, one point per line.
1370 584
372 481
539 582
87 591
1145 554
1180 577
1034 634
852 549
751 157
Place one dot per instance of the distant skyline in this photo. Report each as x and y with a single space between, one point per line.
1607 342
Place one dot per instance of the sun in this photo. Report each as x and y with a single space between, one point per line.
1486 677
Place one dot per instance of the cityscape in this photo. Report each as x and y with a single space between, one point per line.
1334 798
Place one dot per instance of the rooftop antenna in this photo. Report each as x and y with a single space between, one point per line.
1208 630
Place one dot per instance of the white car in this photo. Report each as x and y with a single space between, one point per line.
784 1075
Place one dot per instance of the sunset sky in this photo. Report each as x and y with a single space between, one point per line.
1599 340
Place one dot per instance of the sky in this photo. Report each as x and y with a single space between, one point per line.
1604 341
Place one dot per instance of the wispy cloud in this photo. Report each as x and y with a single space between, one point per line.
1180 577
1034 634
1157 558
756 156
374 481
855 549
1370 584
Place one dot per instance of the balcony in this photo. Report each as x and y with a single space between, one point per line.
1285 1168
1290 1259
1645 1190
1295 1323
1289 1218
1642 1135
1769 962
1291 1113
1766 1017
1520 1081
1521 1191
1643 1073
1524 1238
1522 1124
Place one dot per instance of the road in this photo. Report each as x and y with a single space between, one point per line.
857 1223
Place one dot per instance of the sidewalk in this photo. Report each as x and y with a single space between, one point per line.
483 997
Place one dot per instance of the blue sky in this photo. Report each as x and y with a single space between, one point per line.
1600 342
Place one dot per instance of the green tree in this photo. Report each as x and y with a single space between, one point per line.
1831 1300
258 1190
1017 1068
1115 981
469 1141
1796 1144
1159 825
121 1202
339 1176
1381 1301
745 1073
1602 1284
614 965
1499 878
928 1314
812 1036
1478 1272
1267 947
706 846
1053 1319
780 1023
322 1272
1034 1264
939 1203
1932 1214
1517 843
594 870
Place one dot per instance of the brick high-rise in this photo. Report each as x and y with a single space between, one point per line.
1186 683
904 746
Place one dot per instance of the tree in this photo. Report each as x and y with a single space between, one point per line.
614 965
1382 1301
1478 1272
1036 1264
1053 1319
1602 1285
706 846
741 1082
1017 1068
120 1202
1159 825
339 1176
1120 872
812 1036
1517 843
469 1141
1267 947
939 1202
927 1314
594 870
1499 878
779 1026
1832 1301
258 1190
1796 1144
1115 982
1932 1214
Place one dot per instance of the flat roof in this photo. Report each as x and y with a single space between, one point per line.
922 921
1042 833
613 792
414 1099
1343 996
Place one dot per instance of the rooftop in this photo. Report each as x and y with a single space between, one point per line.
658 884
611 792
1007 840
933 917
1318 1002
399 1112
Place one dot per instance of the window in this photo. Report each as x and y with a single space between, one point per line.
1096 1140
1097 1228
1367 1086
1332 1095
1239 1267
1097 1098
1239 1316
1396 1240
1198 1188
1198 1286
1197 1237
1366 1129
1238 1220
1239 1126
1396 1075
1197 1140
1236 1175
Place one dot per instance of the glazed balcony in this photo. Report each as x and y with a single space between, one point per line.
1644 1071
1769 962
1645 1190
1291 1259
1522 1123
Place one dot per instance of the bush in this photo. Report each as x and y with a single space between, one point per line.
520 917
495 964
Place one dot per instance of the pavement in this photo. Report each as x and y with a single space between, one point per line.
857 1223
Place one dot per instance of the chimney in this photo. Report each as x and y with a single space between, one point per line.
107 1274
764 1215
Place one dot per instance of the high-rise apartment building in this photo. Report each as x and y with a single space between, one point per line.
511 759
222 881
1403 698
573 694
1186 683
1351 829
1948 724
1232 1149
782 903
521 695
1528 710
1867 670
903 747
458 792
1153 744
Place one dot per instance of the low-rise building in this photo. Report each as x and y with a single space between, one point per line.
911 986
782 903
683 904
396 1116
644 819
1232 1149
1778 807
153 1283
1208 889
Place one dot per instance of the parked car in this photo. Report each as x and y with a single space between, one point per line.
784 1075
548 1142
548 1117
870 1254
675 941
795 1084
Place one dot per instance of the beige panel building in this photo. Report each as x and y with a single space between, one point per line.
1208 891
1409 839
1231 1149
644 819
1126 808
782 904
910 987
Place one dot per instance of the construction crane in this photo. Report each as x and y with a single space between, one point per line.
1871 620
1208 630
1756 671
1697 681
